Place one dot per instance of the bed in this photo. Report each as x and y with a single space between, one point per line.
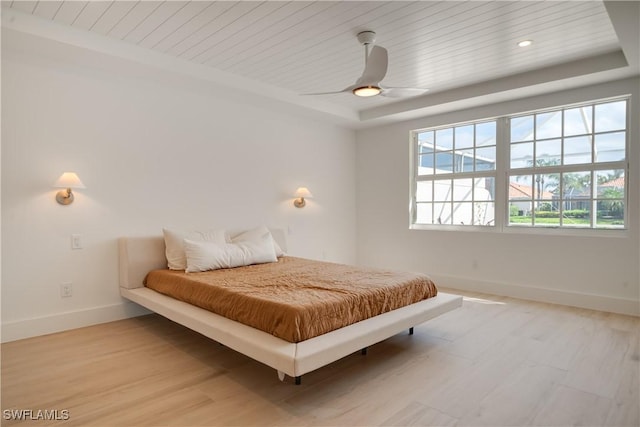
140 255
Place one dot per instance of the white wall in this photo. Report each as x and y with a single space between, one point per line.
152 153
596 272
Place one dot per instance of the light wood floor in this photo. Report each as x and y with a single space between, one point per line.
495 362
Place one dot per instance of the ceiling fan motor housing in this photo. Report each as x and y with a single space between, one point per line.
367 37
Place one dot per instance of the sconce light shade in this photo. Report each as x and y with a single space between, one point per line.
67 180
301 194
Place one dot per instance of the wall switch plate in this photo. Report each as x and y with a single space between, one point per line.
76 241
66 290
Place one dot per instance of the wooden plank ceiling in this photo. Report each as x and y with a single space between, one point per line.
310 46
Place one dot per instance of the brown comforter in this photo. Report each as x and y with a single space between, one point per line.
295 299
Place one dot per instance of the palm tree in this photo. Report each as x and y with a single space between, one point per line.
545 182
574 185
614 204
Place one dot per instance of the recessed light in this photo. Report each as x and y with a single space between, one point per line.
525 43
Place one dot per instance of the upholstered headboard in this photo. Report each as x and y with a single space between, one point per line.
140 255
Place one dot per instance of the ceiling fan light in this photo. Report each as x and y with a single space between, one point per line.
365 91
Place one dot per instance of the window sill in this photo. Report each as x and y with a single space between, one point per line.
525 230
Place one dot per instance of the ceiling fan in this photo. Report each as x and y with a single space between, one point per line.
375 68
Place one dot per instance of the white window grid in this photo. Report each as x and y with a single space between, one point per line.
503 168
476 206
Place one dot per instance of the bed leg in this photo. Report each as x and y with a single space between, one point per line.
298 380
364 351
411 330
281 375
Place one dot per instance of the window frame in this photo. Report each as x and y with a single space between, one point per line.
503 171
415 177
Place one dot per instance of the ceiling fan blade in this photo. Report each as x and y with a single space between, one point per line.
347 89
376 67
402 92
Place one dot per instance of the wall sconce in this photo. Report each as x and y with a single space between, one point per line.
67 180
301 193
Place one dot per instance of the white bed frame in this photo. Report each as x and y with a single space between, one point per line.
139 255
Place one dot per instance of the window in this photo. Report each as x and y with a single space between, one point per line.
564 168
567 167
455 175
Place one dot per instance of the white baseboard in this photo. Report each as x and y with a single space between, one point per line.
575 299
20 329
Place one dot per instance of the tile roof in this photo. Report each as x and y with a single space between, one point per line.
618 183
519 191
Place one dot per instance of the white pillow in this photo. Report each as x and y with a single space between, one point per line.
255 234
203 256
174 243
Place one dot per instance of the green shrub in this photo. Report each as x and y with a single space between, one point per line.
576 213
547 214
513 210
610 214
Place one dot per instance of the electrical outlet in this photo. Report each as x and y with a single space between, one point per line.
66 290
76 241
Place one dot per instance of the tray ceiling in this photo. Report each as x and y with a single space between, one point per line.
299 47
